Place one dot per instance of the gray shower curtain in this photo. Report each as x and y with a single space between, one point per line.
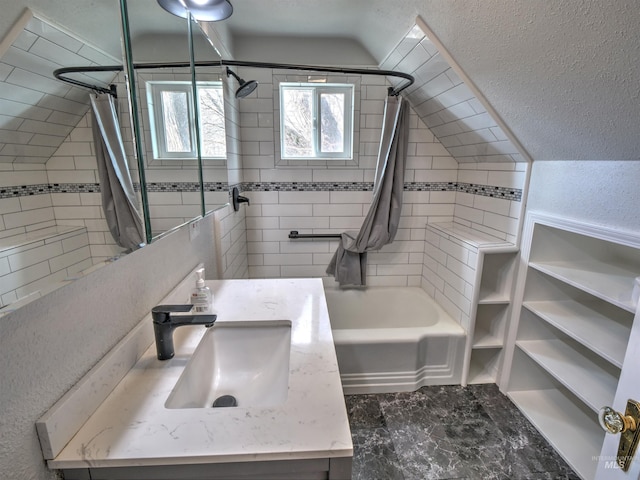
349 262
119 200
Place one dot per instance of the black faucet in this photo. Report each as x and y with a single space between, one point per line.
164 324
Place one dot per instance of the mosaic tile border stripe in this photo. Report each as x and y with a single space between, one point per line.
505 193
186 186
42 188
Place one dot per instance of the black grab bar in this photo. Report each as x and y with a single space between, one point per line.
293 234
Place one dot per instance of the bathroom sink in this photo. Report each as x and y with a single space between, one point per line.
243 364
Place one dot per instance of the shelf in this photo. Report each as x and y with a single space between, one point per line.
489 326
572 325
486 340
573 433
612 283
492 298
479 375
601 334
584 378
484 366
496 280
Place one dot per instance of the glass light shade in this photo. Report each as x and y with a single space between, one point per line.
202 10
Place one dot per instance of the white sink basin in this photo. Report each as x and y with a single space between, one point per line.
248 361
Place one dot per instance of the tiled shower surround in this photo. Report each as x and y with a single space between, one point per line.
308 196
334 196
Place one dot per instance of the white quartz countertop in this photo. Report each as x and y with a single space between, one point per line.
132 427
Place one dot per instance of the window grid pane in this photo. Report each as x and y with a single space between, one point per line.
175 113
332 122
297 104
211 107
172 124
316 121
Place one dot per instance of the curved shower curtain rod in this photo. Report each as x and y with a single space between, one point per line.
60 72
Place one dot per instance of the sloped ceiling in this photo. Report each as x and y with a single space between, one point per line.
453 109
563 76
37 112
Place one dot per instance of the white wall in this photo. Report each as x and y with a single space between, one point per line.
333 196
597 192
231 243
20 212
49 344
447 104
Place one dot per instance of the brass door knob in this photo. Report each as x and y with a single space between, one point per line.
615 422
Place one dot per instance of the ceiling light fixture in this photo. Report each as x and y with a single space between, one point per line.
202 10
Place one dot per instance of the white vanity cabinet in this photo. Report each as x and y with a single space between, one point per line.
116 422
572 317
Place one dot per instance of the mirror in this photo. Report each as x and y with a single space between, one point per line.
165 112
52 226
216 123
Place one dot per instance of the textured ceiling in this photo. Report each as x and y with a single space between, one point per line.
563 76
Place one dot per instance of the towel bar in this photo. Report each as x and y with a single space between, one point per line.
293 234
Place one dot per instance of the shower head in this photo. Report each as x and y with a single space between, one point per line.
203 10
245 88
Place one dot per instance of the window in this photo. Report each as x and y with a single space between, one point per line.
172 120
316 121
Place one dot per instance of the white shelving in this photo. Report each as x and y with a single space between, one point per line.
484 366
590 382
613 285
557 418
491 314
603 336
481 267
572 317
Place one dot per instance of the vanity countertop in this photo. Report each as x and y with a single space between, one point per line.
132 427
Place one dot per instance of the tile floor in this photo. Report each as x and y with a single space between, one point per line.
449 432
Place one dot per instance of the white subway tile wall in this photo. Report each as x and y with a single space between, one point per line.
180 177
25 203
484 196
449 273
331 197
32 262
446 105
37 111
231 243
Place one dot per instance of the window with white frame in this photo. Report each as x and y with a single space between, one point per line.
316 121
172 120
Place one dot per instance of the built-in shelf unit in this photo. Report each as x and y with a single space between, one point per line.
491 262
572 316
489 321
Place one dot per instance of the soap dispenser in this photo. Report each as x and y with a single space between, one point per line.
201 296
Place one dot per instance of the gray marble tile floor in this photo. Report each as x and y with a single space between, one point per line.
445 433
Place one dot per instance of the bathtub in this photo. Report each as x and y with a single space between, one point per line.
393 339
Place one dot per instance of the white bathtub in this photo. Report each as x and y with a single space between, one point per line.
393 339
